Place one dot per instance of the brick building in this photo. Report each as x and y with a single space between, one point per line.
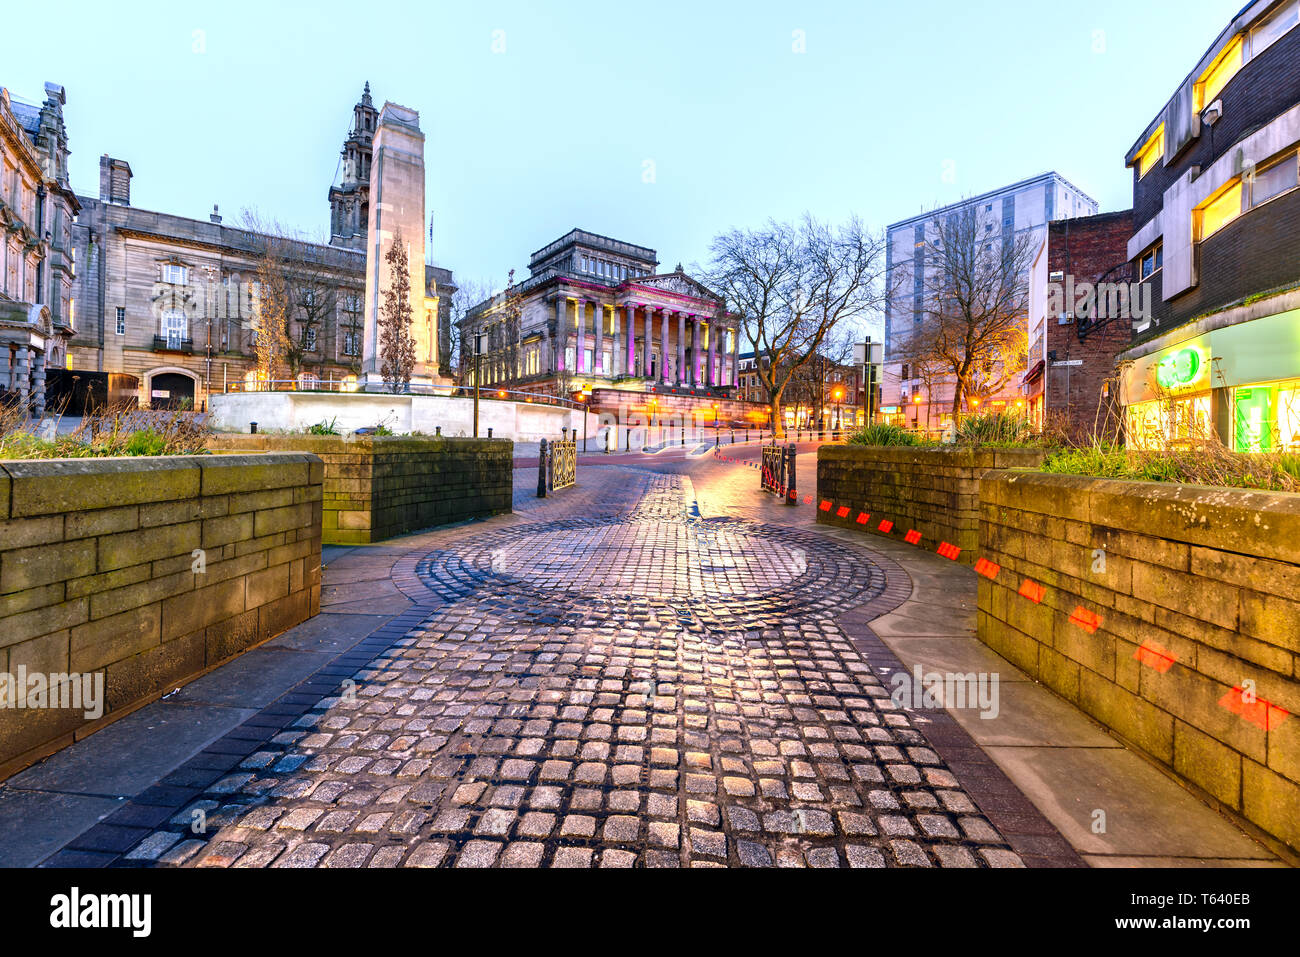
1071 359
1216 200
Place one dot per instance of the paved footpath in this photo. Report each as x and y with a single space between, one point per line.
635 672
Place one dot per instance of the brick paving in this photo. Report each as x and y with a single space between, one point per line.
612 679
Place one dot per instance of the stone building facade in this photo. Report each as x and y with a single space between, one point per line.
595 315
37 267
168 303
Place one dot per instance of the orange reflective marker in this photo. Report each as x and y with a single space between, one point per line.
864 517
949 551
808 500
913 537
1258 712
844 512
1089 621
987 568
1033 591
825 506
886 526
1155 656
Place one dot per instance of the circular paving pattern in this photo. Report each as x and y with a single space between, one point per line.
740 573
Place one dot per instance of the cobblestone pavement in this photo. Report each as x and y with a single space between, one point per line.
624 684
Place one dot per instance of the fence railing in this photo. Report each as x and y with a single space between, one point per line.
777 474
345 386
557 464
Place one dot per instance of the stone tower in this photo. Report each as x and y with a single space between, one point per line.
397 187
350 195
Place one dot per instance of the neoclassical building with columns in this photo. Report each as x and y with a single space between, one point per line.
595 317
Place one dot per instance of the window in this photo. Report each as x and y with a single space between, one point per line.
1151 260
351 343
1223 69
174 274
1272 29
309 339
1152 152
121 321
1275 180
1219 211
174 328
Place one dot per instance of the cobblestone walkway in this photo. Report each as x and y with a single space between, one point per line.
634 685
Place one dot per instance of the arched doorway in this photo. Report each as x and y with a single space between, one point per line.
171 391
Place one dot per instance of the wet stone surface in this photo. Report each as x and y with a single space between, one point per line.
640 688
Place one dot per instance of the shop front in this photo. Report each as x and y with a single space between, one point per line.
1239 385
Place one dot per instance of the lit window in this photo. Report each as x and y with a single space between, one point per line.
1275 180
1223 69
1271 30
1152 152
1222 209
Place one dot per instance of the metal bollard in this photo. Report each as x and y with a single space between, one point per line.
437 430
541 471
252 428
607 441
793 486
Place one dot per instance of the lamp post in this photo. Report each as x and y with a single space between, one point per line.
715 425
839 397
478 351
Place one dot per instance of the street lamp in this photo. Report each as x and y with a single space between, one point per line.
478 351
839 396
715 425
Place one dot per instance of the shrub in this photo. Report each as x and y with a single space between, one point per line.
325 428
879 433
1209 464
106 434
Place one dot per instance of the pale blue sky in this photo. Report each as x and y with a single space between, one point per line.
554 132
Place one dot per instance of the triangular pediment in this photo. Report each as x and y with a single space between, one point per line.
681 284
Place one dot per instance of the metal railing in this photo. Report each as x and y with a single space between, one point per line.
456 391
777 474
557 464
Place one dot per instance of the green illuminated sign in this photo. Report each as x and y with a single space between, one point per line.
1178 368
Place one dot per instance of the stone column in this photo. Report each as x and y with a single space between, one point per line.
711 379
614 355
561 331
580 335
38 385
630 345
647 334
24 378
598 354
663 353
681 348
695 352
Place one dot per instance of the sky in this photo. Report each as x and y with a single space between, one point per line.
661 124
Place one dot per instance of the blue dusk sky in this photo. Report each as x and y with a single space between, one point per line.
657 123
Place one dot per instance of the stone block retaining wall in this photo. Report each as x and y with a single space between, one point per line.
148 572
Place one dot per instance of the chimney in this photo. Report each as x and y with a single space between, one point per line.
114 181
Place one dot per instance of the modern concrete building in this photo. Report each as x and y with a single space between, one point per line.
37 267
1020 210
594 316
1216 192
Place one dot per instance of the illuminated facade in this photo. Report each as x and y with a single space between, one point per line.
594 314
37 266
1217 217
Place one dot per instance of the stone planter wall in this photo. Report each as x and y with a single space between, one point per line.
146 572
376 488
1195 593
933 491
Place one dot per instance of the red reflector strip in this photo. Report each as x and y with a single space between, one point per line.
794 496
1258 712
843 512
1155 656
1089 621
913 537
864 517
1033 591
886 526
825 506
808 500
949 551
987 568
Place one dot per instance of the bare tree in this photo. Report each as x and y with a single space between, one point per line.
791 285
467 295
396 344
976 297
